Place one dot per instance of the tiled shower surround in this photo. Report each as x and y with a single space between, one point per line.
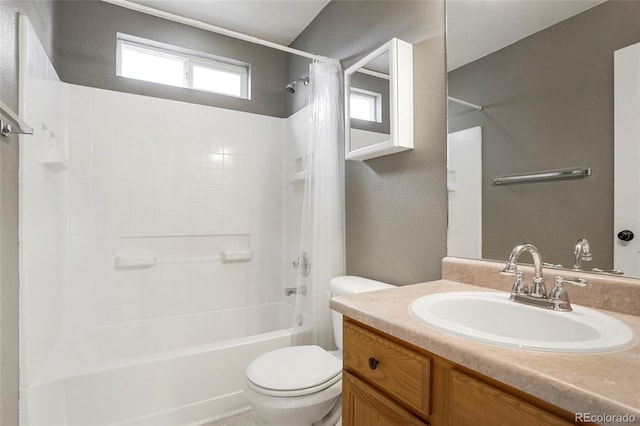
146 167
140 166
109 175
166 175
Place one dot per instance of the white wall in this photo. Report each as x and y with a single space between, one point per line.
43 199
464 183
143 166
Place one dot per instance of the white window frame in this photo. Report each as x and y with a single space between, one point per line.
375 99
189 59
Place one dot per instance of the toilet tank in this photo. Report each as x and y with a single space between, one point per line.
350 285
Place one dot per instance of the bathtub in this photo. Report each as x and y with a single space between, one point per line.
180 370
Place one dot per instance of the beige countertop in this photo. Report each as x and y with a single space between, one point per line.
603 383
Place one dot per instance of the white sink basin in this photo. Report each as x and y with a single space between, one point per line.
490 317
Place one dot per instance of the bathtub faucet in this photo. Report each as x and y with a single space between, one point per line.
290 291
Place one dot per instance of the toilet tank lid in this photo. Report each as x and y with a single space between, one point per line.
350 284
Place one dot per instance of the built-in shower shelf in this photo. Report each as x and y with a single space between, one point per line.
298 176
54 159
147 251
147 261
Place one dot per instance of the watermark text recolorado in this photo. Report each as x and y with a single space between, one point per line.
604 418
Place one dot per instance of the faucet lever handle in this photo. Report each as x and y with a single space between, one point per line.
560 281
559 295
509 269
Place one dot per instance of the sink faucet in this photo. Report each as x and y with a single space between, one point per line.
582 253
557 300
537 289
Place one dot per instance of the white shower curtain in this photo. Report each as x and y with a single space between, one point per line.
322 243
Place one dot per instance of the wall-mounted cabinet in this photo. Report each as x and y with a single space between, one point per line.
379 102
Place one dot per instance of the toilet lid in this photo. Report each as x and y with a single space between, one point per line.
294 368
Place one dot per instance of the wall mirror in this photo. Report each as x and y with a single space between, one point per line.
547 83
379 102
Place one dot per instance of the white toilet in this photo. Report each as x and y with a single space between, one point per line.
302 385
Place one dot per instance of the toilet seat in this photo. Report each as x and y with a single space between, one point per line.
294 371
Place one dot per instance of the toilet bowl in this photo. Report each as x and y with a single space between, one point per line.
294 386
302 385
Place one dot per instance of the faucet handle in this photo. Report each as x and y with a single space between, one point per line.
510 269
559 295
559 282
519 286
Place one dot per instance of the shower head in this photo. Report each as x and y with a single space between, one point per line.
291 87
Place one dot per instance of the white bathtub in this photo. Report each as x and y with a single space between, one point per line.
169 371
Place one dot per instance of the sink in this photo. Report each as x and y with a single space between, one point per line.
490 317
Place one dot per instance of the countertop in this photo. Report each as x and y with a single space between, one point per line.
603 383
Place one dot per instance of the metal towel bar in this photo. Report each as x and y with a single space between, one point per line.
11 123
573 172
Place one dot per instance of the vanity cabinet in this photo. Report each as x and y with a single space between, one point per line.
389 382
364 405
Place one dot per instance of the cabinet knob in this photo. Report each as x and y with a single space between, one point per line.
625 235
373 363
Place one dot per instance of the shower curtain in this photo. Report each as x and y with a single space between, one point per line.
322 245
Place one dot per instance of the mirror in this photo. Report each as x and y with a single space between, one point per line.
379 102
543 73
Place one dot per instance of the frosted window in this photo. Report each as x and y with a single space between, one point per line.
365 105
218 81
160 63
149 66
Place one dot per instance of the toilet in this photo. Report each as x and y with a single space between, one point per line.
302 385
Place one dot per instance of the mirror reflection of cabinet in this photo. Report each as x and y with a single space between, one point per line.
379 102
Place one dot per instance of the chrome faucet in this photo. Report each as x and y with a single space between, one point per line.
558 299
581 253
537 289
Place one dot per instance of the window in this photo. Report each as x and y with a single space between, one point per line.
160 63
365 105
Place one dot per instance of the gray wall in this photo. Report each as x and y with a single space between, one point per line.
549 104
396 205
40 14
86 55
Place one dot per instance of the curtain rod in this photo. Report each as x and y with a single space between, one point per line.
449 98
465 103
213 28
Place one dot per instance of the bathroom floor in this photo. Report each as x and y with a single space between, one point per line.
247 418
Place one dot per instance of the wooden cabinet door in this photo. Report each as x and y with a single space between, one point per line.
474 402
399 371
362 405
